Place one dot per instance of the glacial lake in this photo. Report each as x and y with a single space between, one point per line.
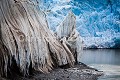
106 60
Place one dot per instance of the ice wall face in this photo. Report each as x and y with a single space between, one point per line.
97 16
98 21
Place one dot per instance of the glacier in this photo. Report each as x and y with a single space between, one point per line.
98 21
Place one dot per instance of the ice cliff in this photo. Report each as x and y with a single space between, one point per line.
98 21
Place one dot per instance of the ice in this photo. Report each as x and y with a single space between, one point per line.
98 22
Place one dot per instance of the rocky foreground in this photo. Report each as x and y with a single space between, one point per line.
79 72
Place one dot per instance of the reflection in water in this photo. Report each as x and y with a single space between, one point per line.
107 60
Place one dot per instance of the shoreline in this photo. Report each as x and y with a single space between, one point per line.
78 72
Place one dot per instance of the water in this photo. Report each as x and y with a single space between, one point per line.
107 60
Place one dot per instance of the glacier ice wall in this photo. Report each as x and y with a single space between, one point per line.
98 21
